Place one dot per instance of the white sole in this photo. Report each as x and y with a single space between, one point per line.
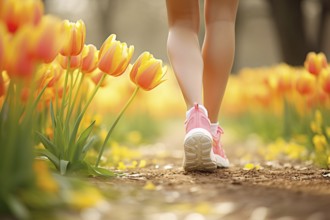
219 161
197 151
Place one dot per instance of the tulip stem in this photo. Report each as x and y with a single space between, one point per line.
64 88
114 125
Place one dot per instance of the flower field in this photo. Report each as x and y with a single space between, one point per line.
62 103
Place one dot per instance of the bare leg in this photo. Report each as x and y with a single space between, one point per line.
183 48
218 51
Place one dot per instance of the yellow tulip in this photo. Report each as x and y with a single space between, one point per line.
314 63
147 72
325 80
16 13
19 62
114 56
305 84
75 34
47 39
75 61
90 58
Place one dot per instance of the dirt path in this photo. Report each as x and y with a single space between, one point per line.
162 190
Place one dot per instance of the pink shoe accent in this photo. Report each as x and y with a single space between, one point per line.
197 119
198 142
218 152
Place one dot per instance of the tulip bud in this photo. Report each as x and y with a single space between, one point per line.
17 13
19 62
314 63
75 61
114 56
97 76
90 58
147 72
75 34
47 39
325 80
305 84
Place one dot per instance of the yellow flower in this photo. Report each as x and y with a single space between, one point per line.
121 166
75 37
114 56
84 198
16 13
305 83
314 63
319 142
44 179
147 72
142 163
149 186
90 58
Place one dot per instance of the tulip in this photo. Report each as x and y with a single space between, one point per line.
325 80
47 39
75 34
90 58
147 72
19 62
305 84
96 78
75 61
314 63
16 13
114 56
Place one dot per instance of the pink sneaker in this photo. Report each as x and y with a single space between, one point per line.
218 154
198 142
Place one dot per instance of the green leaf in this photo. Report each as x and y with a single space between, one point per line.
86 147
63 166
102 171
17 208
52 115
55 160
75 130
77 149
47 143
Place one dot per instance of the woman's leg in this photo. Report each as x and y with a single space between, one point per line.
183 48
218 51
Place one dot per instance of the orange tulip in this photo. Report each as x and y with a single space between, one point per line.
75 34
325 80
19 62
147 72
75 61
114 56
16 13
305 84
90 58
314 63
96 77
47 39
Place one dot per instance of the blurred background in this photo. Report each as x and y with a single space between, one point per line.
268 31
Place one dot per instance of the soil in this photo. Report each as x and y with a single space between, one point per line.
163 190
